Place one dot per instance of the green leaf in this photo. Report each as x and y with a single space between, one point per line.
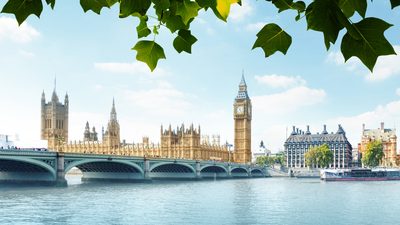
149 52
272 38
223 8
394 3
350 6
175 23
184 41
283 5
51 3
206 3
372 45
161 4
23 8
129 7
96 5
187 10
142 29
321 16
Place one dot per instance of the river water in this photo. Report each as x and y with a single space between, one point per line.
242 201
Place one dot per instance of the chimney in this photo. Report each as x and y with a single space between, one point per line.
363 127
382 126
324 131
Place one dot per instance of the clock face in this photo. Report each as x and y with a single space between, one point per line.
239 110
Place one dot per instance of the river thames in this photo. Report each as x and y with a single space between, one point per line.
242 201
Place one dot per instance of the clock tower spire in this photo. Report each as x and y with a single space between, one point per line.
242 113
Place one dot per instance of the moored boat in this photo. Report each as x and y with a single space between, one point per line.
360 174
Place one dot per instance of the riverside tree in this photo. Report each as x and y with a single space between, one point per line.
363 36
319 156
373 154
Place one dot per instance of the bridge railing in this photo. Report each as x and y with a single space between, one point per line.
26 151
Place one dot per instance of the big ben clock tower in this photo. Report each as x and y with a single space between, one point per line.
242 116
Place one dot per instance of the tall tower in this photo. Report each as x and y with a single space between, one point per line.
242 116
54 120
111 137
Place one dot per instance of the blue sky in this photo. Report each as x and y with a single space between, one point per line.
90 56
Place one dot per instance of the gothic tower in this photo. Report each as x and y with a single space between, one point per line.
242 116
54 120
111 137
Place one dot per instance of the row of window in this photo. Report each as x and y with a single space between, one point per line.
59 124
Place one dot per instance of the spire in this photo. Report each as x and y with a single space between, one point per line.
243 81
66 98
113 114
43 96
55 83
242 93
54 97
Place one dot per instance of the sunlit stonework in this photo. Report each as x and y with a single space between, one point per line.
182 142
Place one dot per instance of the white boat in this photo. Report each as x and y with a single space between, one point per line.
360 174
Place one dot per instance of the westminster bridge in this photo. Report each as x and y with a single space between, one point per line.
31 165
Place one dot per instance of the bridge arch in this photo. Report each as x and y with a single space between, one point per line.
100 169
257 172
239 172
213 171
26 169
172 170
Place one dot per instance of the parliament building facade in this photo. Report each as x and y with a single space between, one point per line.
182 142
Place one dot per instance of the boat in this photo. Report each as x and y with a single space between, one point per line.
360 174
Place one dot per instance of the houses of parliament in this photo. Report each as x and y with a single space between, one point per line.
182 142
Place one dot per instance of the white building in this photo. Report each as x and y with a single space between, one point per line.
5 142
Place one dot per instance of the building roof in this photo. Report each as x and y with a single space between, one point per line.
300 136
379 134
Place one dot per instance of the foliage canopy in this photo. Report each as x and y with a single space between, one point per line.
319 156
373 154
271 160
363 39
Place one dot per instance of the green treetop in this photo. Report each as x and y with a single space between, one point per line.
320 156
373 154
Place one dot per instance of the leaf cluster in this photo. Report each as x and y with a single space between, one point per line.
363 39
373 154
271 160
320 156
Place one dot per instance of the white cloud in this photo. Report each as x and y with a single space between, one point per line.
388 113
161 100
385 67
288 101
255 27
398 91
9 30
135 68
279 81
26 54
239 13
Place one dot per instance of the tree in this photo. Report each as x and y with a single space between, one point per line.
319 156
363 39
280 158
373 154
265 160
